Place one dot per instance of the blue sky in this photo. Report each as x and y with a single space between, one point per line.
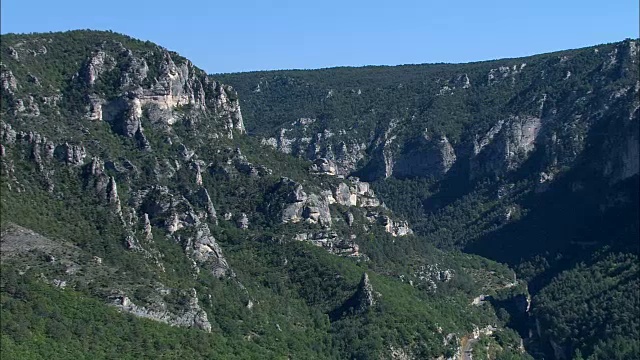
231 36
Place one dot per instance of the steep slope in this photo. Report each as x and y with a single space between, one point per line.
422 120
532 162
129 185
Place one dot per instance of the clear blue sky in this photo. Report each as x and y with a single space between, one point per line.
231 36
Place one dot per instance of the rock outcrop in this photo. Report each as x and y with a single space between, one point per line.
193 316
395 228
162 208
176 86
365 297
99 63
165 209
7 80
96 178
232 163
204 200
148 234
324 166
206 252
315 209
71 154
112 195
332 242
243 221
299 206
338 154
356 193
430 275
332 156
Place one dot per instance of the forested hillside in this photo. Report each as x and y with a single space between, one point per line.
413 212
532 162
140 220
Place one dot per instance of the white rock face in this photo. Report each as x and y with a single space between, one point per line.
523 132
400 354
330 241
94 112
466 82
481 142
479 300
419 156
331 155
324 166
448 154
174 86
314 209
503 72
204 249
197 166
205 199
147 228
395 228
358 193
98 64
112 195
506 146
8 81
345 195
243 221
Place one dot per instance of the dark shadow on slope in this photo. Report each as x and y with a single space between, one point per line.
580 212
359 303
564 227
452 187
516 306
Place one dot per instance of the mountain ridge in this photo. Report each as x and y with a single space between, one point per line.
383 66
